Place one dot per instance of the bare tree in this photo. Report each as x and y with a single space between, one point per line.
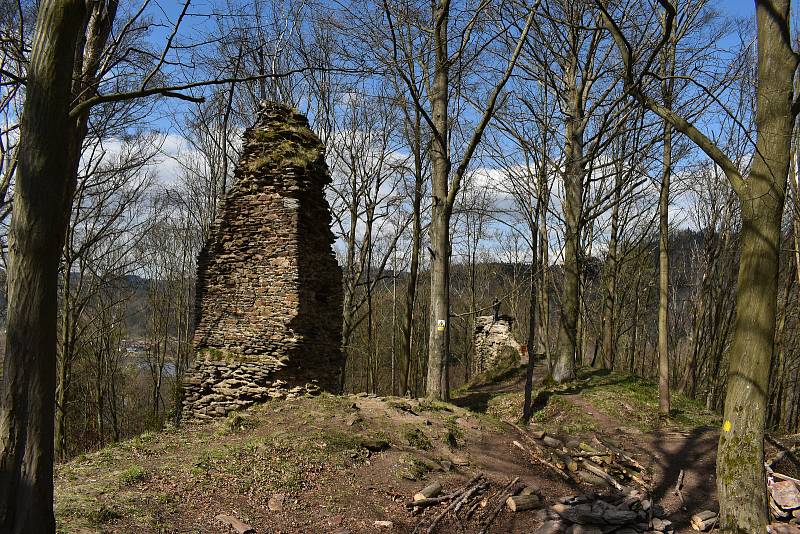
761 192
437 115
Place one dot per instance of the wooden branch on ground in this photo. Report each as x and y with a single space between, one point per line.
475 485
678 486
507 492
456 504
600 472
621 455
540 459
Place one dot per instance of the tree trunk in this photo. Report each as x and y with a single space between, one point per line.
609 303
437 383
416 239
64 364
527 407
36 239
438 347
740 468
564 367
667 83
740 457
663 276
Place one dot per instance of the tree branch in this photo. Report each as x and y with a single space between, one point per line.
173 91
633 86
489 111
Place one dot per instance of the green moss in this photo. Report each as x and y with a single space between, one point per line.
427 405
341 441
133 475
417 439
400 405
331 403
634 401
561 416
288 145
207 460
236 422
412 468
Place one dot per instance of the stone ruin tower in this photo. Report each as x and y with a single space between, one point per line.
494 344
268 308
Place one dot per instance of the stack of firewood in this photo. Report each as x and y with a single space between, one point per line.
704 521
599 462
476 501
625 512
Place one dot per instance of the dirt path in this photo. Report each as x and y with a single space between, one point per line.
666 454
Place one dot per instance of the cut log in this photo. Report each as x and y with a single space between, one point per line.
235 524
597 470
704 520
431 490
570 464
529 490
590 478
552 442
520 503
702 516
622 456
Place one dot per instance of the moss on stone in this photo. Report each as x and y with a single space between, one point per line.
287 146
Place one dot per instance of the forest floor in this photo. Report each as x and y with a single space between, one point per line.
331 464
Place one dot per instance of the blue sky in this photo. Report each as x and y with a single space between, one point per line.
740 8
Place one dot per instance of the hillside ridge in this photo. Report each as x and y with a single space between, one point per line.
342 463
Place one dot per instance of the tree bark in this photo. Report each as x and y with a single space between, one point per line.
663 276
41 205
411 293
564 366
667 83
533 320
407 327
438 347
609 303
740 457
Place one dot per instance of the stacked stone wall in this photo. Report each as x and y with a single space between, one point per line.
269 290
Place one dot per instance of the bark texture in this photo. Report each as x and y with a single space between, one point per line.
438 347
663 277
41 205
740 457
564 366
